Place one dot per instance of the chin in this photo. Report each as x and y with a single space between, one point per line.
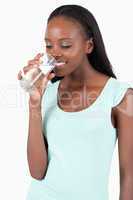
59 73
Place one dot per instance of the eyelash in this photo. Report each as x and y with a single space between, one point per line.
65 47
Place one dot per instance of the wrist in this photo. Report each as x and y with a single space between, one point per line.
34 106
35 111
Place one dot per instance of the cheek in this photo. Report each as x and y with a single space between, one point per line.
75 53
76 57
75 60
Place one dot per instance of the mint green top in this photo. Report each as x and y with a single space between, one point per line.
81 145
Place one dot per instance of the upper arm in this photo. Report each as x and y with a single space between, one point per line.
124 117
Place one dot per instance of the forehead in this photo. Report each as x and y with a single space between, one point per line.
60 27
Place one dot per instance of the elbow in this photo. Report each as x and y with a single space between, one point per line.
38 172
37 176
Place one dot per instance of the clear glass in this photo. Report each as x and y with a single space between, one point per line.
28 79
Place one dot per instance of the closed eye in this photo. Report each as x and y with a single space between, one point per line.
66 46
63 46
48 46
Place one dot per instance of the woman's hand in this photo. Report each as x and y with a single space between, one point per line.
41 84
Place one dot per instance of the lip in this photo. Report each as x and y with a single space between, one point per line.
59 64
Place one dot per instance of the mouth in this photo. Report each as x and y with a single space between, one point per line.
60 64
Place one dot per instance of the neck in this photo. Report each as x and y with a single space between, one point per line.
85 74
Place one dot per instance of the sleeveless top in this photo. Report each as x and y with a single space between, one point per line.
80 146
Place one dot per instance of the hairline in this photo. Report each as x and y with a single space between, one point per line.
73 20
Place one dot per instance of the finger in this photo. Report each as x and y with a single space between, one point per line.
27 68
38 56
19 76
50 76
32 62
47 78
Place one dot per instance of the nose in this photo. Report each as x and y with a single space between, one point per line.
56 55
55 52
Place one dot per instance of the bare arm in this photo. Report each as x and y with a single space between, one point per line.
124 116
36 145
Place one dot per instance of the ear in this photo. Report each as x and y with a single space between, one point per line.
89 46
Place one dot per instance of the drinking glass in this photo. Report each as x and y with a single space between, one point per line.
28 79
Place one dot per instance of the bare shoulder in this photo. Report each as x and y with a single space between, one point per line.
125 136
126 101
124 109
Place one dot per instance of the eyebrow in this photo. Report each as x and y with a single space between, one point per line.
59 39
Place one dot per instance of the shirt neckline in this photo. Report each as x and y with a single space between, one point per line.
98 99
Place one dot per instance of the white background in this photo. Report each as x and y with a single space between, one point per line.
22 25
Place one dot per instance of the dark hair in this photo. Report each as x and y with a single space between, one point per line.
98 57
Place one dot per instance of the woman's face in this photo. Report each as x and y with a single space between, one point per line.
65 40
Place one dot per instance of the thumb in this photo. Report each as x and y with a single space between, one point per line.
50 76
46 78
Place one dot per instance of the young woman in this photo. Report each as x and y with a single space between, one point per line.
75 121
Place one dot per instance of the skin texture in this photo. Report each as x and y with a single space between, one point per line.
124 122
79 75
